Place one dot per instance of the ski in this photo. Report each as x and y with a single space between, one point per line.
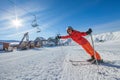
76 63
80 63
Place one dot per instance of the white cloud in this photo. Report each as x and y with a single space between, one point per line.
43 27
21 33
25 9
110 26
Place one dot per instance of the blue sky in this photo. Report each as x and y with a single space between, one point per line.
53 17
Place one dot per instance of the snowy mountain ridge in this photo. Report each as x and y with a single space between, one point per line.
109 36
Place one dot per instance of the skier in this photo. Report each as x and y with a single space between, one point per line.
78 38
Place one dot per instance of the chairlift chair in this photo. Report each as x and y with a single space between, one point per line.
34 22
38 30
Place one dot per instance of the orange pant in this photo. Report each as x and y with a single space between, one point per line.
89 49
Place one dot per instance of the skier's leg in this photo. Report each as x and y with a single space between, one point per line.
89 49
89 52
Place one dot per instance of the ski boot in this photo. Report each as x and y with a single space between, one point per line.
97 61
91 59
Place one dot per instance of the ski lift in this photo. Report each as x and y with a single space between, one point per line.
34 22
38 30
35 25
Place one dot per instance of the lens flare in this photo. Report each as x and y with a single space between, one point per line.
17 23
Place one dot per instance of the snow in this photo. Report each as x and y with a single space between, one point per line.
114 36
52 63
91 72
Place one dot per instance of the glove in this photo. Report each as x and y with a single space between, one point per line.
89 31
58 37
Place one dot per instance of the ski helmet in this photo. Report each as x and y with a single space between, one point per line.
69 28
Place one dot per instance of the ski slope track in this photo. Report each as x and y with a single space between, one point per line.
53 63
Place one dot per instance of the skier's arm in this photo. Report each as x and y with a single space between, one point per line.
64 37
81 33
87 32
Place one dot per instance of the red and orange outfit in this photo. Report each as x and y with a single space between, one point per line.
78 38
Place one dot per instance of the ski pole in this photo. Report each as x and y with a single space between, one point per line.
95 55
93 48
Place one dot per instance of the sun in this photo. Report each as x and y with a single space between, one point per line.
17 23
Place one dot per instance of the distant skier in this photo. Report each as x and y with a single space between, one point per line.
78 38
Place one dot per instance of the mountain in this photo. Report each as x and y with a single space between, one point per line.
9 41
109 36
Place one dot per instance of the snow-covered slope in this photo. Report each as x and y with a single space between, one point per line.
53 64
110 36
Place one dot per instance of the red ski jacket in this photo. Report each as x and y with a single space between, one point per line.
77 37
